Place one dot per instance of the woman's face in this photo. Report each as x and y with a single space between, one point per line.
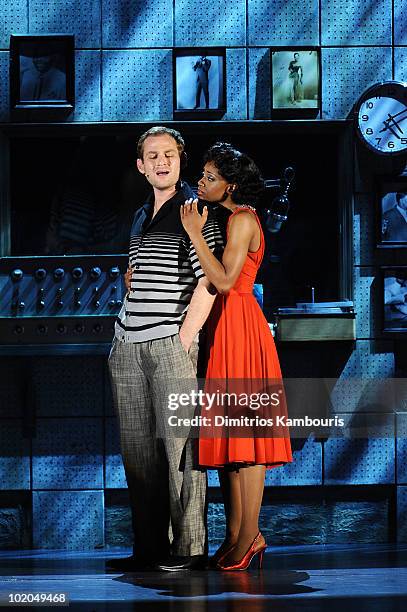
211 186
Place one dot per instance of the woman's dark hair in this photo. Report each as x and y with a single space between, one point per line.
238 168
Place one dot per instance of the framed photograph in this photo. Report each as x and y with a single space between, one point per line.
392 213
42 71
295 82
395 299
199 83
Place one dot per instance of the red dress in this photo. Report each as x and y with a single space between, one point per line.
242 348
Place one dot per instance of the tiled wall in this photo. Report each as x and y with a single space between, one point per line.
123 59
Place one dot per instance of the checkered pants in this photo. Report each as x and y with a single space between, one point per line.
164 484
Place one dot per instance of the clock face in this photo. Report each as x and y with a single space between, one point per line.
382 118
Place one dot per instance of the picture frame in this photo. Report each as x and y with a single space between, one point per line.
295 82
391 213
199 83
42 71
394 302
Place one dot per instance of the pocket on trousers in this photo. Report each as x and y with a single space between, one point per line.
192 354
113 348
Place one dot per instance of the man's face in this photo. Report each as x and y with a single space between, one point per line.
161 161
402 201
42 63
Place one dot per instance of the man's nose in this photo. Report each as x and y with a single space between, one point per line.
161 160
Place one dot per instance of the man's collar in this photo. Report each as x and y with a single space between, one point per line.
402 212
183 193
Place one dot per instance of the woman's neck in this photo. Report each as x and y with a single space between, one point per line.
228 203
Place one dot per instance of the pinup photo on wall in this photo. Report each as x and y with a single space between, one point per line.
392 214
199 76
295 79
395 299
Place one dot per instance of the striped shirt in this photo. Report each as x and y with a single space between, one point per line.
165 271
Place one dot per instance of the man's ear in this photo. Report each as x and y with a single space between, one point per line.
140 165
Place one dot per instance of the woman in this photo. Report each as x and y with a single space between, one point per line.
295 75
242 347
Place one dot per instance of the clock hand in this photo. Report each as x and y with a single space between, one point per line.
391 118
387 126
396 123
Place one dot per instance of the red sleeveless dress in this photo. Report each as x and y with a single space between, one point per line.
242 348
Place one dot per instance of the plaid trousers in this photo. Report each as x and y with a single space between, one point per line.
166 488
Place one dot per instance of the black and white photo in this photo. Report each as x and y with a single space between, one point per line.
42 71
199 82
392 214
395 298
295 77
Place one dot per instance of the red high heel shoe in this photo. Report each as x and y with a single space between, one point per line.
244 563
214 560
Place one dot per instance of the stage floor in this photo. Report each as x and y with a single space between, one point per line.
333 578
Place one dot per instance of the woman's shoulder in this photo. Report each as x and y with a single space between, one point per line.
243 216
244 208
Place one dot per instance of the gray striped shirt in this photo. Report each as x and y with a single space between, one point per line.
165 271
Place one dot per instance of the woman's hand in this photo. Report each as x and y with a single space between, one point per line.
127 279
192 221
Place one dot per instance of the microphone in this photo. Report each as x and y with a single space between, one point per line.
277 214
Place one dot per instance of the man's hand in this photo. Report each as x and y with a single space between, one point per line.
192 221
184 341
127 278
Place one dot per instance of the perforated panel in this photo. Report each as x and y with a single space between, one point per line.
283 22
4 86
259 84
356 22
13 20
68 386
400 64
210 23
365 299
14 456
364 229
137 85
402 514
366 382
401 420
400 20
67 454
137 23
68 520
346 73
306 468
78 17
87 86
213 478
370 359
115 477
236 84
360 461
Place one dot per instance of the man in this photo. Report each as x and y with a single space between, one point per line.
42 81
155 346
201 68
394 227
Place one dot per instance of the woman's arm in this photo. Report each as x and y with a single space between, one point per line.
241 230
